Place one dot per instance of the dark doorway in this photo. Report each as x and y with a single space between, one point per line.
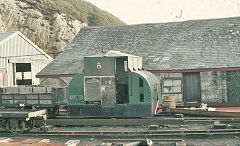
23 67
141 90
191 87
122 94
233 86
25 70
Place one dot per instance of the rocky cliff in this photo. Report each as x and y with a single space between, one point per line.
47 27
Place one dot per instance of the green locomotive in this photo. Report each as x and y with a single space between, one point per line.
113 84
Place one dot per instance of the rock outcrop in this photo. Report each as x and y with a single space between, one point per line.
50 30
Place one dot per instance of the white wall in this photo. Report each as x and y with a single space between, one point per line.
18 49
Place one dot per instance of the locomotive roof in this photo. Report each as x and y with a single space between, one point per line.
195 44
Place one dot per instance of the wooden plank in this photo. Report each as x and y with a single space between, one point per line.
213 104
204 113
31 140
72 143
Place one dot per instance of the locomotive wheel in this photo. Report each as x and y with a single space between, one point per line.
52 112
15 126
29 125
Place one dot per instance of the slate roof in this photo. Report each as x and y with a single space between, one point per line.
112 53
195 44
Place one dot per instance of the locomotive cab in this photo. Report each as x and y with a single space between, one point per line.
113 84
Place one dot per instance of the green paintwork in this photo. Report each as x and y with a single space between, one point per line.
114 66
76 89
150 85
107 66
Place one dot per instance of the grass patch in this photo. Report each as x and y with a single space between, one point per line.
76 9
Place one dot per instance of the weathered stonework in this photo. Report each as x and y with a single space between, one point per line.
162 77
53 34
213 86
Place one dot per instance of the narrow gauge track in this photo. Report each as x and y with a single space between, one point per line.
164 141
114 122
133 140
135 122
135 133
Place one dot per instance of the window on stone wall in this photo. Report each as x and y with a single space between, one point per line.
172 86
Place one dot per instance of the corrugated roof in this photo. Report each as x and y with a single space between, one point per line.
5 35
196 44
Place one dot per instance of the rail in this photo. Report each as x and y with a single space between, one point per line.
134 133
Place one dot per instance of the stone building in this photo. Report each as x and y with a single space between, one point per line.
196 61
20 60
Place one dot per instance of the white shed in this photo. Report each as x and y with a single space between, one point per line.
20 60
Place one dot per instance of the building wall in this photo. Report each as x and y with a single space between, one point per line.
213 86
171 85
16 49
37 66
3 81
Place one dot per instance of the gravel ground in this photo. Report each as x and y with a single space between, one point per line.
92 141
128 128
219 141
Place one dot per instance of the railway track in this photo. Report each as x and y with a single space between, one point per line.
135 133
114 122
136 122
133 140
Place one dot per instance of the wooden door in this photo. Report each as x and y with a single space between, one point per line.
191 87
233 86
